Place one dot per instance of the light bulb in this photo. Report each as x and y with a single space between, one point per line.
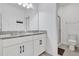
29 5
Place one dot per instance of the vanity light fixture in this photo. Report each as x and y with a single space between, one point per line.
28 5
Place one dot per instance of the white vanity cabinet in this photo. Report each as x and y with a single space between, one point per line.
39 44
32 45
25 49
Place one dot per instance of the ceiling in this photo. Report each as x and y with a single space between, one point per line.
35 5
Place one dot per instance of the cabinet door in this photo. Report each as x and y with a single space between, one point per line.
28 48
42 43
39 44
15 50
36 47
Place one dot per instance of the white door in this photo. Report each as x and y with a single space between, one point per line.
27 48
14 50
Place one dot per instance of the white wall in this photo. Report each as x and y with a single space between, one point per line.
47 21
10 14
70 21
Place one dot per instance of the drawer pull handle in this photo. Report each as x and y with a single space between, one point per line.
23 48
40 42
20 49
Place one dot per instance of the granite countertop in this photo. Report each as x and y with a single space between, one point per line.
15 34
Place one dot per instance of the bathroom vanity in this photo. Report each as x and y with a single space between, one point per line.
23 44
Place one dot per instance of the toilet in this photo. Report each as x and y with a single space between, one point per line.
72 42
